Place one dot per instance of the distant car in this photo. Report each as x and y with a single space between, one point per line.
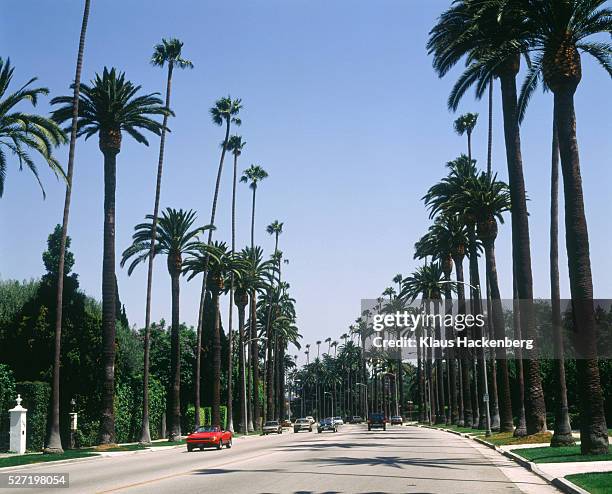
302 425
397 420
209 436
338 420
272 427
377 420
356 419
311 418
327 425
287 423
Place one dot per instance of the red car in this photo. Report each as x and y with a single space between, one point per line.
209 436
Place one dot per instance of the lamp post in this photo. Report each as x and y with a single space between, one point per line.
244 346
365 407
331 395
485 397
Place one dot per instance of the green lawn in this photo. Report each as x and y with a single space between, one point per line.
508 439
558 455
13 461
595 483
161 444
466 430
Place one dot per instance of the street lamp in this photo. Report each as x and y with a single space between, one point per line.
332 403
244 385
365 408
485 397
395 386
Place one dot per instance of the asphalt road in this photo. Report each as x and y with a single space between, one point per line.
353 460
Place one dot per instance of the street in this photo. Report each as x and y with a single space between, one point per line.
353 460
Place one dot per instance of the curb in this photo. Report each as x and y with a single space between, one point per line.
560 483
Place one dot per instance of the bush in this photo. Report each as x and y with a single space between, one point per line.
205 416
36 396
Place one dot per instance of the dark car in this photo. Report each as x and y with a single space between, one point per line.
327 425
272 427
377 420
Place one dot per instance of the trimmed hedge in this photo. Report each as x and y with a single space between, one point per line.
36 396
205 416
7 401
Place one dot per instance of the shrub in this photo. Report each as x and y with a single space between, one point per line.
35 395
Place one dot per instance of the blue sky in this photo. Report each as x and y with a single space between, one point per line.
341 107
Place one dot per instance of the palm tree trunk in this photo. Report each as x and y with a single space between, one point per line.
269 376
465 417
535 408
109 293
593 430
241 370
563 430
174 432
205 278
230 362
506 423
53 444
216 351
450 352
441 417
521 428
254 362
490 131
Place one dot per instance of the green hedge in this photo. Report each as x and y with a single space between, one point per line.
7 401
36 396
205 417
128 409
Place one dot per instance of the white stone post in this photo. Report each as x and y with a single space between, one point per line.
18 428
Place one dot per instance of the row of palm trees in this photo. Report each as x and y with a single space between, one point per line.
110 107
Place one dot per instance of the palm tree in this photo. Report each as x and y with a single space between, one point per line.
486 199
465 125
23 132
489 35
226 112
254 174
557 33
256 278
222 264
109 106
175 238
167 52
275 228
235 145
54 441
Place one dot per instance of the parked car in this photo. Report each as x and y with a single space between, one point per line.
209 436
397 420
302 425
356 419
272 427
311 418
338 420
327 425
287 423
377 420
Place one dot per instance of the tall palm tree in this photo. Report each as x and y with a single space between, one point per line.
557 33
275 228
221 264
254 174
109 106
256 278
24 132
175 238
225 111
490 37
235 145
167 52
465 125
54 441
486 199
